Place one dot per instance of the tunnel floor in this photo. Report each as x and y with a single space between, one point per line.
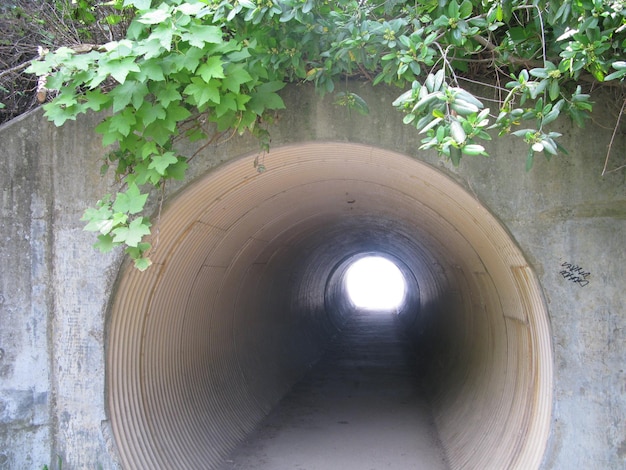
359 408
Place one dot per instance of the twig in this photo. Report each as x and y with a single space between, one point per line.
158 222
477 82
216 136
529 63
608 152
446 62
543 37
17 68
616 169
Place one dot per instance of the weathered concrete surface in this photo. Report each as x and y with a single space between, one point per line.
55 290
52 292
25 300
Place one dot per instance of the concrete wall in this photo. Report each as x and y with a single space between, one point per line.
55 289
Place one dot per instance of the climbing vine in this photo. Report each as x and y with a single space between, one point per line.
200 68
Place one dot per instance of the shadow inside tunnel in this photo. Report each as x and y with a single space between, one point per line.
360 407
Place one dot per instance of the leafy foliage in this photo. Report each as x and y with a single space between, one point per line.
31 27
187 64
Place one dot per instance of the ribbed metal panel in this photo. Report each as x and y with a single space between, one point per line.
206 341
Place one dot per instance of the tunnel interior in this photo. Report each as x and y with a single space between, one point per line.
248 288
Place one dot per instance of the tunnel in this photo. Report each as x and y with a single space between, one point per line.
247 289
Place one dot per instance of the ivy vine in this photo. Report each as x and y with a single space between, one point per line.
198 68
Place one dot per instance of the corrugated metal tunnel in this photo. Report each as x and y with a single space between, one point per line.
247 288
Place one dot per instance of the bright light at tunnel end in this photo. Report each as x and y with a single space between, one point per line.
375 283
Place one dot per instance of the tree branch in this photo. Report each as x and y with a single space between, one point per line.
608 152
528 63
17 68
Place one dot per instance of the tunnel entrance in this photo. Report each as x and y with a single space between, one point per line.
245 295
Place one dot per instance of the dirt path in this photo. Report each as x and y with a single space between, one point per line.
358 409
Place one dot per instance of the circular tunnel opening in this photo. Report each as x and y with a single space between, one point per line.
248 287
377 248
374 282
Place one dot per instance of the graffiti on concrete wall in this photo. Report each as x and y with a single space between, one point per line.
574 273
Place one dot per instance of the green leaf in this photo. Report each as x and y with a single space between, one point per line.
465 9
177 113
148 148
143 175
191 9
408 119
203 92
160 131
360 105
132 234
167 94
150 112
105 243
103 226
551 116
119 69
539 72
241 101
81 61
212 68
457 132
615 75
122 122
523 133
549 146
96 100
189 60
177 170
198 35
430 124
455 155
59 114
138 251
99 219
119 219
529 159
139 4
160 163
236 75
162 35
142 263
130 201
474 149
264 97
67 98
39 67
151 70
554 90
453 9
154 16
227 103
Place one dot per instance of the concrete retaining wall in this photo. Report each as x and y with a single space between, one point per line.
56 290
